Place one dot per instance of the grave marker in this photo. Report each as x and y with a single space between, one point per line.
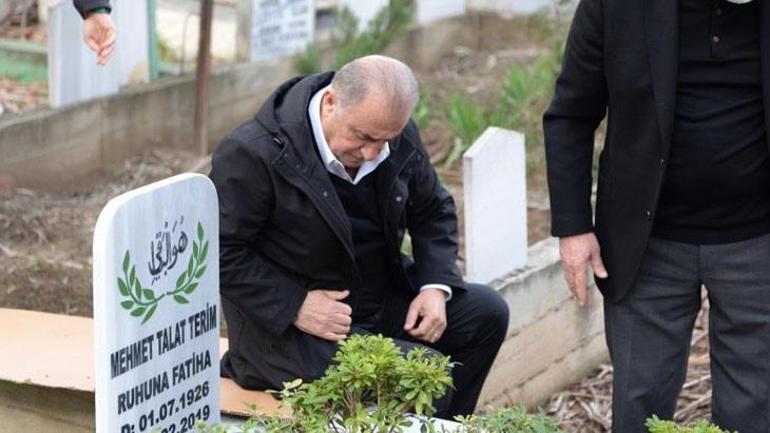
494 171
281 27
426 11
156 308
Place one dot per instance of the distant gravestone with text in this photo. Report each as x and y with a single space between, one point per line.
426 11
281 27
156 308
494 171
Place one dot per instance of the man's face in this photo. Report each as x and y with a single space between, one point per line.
357 133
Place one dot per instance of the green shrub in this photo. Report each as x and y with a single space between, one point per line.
468 121
524 95
656 425
369 387
509 420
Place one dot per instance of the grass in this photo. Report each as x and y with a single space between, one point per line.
523 96
656 425
21 71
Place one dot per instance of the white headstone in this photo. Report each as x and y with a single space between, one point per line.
516 7
434 10
427 11
364 10
73 74
281 27
156 306
494 171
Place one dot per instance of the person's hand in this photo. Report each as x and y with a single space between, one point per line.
576 253
430 307
99 35
323 315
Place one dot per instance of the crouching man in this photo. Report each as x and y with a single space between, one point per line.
315 195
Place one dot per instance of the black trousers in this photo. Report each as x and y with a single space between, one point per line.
477 321
649 332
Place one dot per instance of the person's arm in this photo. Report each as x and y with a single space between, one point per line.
578 106
263 292
431 219
98 29
85 6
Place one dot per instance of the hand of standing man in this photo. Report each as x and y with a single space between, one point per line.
577 252
98 29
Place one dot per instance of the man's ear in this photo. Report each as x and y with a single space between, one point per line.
329 103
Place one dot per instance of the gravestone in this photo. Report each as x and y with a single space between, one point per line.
73 74
426 12
280 27
156 308
494 171
429 11
519 7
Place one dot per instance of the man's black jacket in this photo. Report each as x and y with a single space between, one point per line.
283 230
83 6
621 60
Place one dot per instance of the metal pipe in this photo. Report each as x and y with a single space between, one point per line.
202 76
152 28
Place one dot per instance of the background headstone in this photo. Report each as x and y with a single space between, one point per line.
426 10
156 307
517 7
434 10
494 171
281 27
73 74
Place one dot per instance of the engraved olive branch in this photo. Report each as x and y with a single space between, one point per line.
129 286
142 301
187 281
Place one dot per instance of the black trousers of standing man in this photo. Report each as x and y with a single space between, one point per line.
651 328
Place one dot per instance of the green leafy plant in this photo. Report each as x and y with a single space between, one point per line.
388 25
369 387
524 95
468 121
656 425
509 420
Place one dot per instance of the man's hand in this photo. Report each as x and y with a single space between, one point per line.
576 252
99 35
430 307
323 315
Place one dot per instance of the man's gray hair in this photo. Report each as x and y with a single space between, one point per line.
387 77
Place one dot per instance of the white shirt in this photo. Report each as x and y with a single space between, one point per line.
335 167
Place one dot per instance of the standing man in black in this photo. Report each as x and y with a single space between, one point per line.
316 194
683 195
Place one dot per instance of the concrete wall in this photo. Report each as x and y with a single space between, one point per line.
552 341
51 147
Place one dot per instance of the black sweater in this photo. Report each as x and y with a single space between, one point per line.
717 184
